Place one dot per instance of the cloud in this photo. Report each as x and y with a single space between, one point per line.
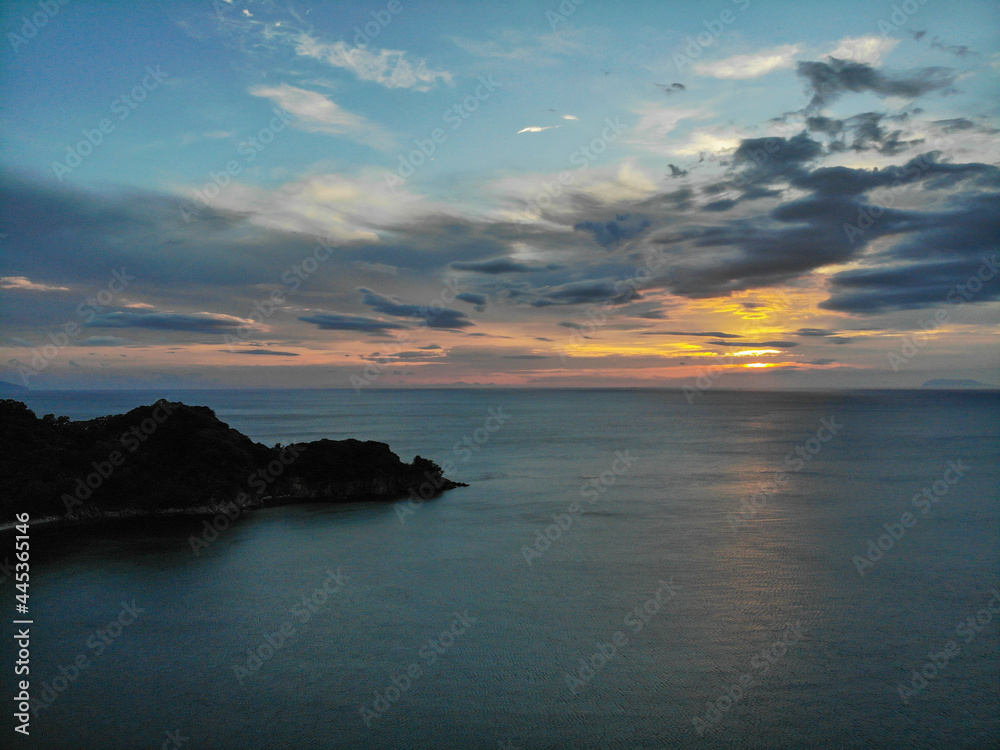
319 114
615 231
815 332
478 300
741 67
268 352
389 68
707 334
743 344
864 49
673 88
380 268
23 283
537 128
202 322
828 81
942 251
582 292
906 286
656 123
867 130
101 341
516 46
432 317
334 321
497 266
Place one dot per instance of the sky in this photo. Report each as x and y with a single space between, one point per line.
739 193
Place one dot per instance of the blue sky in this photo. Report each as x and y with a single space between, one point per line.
584 189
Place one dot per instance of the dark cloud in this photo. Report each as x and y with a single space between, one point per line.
166 321
722 205
590 291
100 341
676 171
707 334
613 232
652 315
909 286
773 158
526 356
334 321
431 316
267 352
673 88
406 356
815 332
478 300
955 124
827 81
958 50
870 134
745 344
844 181
429 346
498 265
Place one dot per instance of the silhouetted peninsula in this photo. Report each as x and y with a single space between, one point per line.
169 457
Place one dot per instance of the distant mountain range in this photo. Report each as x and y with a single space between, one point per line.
948 383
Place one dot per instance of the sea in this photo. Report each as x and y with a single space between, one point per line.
626 569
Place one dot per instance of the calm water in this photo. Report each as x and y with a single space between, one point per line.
664 515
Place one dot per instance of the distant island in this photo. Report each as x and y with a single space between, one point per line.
946 383
169 457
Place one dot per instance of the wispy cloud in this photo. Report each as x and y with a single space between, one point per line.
26 284
387 67
517 46
537 128
864 49
741 67
319 114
